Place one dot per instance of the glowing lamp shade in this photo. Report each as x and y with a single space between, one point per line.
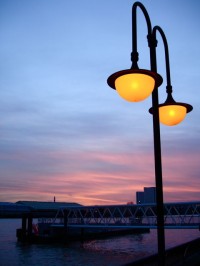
134 85
172 115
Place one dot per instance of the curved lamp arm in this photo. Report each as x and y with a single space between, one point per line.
168 77
134 54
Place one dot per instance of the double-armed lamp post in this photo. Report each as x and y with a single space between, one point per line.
135 85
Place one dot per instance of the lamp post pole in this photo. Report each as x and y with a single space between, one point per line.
156 126
135 85
158 163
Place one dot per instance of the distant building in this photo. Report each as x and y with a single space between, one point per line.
150 194
129 203
139 197
146 196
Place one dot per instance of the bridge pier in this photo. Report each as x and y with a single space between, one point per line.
66 212
24 225
25 232
30 225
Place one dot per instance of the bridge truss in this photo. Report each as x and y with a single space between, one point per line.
176 215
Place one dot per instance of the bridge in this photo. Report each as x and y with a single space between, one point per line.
185 215
82 222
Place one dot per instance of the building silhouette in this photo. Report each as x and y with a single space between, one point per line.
146 196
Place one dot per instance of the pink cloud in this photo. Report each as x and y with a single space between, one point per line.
98 178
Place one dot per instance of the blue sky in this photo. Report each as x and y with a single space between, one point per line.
63 131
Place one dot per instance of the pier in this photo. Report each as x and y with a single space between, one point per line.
63 222
76 222
73 221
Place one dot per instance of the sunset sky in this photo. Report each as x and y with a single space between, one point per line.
63 131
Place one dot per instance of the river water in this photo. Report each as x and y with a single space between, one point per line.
113 251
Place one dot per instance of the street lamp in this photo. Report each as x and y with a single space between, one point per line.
135 85
170 112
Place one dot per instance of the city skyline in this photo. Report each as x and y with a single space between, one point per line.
63 131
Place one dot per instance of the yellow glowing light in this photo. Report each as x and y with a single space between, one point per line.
134 87
172 115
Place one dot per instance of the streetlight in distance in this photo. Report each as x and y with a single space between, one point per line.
136 85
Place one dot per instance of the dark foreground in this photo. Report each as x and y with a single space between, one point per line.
187 254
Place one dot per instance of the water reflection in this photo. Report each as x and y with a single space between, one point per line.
114 251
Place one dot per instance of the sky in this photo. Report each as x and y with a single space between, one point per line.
63 131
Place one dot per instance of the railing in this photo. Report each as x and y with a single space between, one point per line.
176 215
